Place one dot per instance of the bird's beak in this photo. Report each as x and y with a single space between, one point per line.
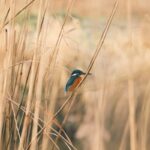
88 73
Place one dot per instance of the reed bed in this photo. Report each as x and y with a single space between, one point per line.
40 47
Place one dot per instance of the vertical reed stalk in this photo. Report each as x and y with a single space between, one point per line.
132 109
99 121
42 67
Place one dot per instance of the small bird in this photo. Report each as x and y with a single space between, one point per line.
74 80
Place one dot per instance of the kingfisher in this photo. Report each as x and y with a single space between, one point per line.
74 80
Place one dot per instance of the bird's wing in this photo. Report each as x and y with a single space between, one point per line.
69 83
72 83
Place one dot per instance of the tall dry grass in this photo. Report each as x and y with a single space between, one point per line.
39 48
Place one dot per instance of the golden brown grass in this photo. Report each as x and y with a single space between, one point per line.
38 46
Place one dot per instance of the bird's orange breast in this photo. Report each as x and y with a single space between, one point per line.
75 84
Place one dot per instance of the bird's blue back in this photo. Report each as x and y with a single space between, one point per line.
70 82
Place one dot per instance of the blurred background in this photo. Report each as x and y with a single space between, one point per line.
42 43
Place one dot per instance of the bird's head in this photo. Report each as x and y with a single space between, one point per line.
78 72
